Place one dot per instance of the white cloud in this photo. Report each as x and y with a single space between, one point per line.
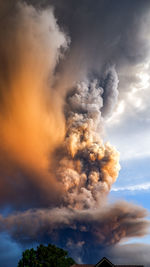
134 91
137 187
129 126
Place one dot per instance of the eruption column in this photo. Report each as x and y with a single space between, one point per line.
88 167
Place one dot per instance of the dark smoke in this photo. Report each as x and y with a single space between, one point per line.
110 94
99 228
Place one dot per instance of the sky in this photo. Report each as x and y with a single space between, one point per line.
75 123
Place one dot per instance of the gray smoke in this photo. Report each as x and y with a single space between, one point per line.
103 227
110 94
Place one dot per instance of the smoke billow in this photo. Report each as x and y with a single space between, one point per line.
89 167
104 227
54 163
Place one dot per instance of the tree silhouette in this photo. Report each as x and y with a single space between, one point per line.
45 256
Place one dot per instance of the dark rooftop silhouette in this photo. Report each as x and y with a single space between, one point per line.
104 262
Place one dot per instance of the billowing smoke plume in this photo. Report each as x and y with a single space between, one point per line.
56 170
101 226
88 167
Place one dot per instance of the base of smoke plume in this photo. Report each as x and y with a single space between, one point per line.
129 254
104 227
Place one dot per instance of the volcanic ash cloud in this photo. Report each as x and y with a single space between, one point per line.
32 123
54 163
89 167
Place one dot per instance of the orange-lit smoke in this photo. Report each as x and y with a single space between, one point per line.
31 118
88 167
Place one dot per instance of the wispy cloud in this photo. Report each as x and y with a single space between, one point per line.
137 187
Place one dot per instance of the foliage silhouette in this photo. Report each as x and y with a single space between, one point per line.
45 256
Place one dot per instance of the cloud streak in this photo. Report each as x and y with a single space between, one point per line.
138 187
